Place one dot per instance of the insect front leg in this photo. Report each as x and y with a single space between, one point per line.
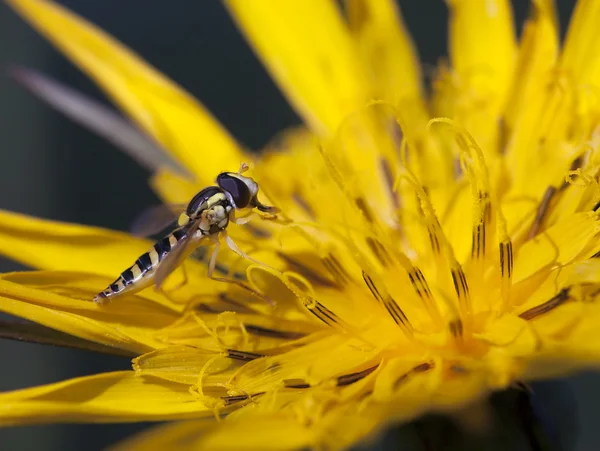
243 220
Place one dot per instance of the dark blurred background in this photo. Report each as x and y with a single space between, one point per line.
51 168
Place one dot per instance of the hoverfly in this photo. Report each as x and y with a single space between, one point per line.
207 216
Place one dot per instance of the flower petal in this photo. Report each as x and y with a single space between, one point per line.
159 106
576 349
558 245
580 56
386 48
45 244
309 52
482 42
482 50
261 431
103 398
67 306
538 53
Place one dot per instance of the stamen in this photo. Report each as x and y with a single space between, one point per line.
506 269
482 218
323 313
504 133
361 203
229 400
552 303
295 383
433 241
351 378
421 368
239 306
257 232
390 305
397 314
379 251
242 355
371 286
461 288
273 333
302 203
336 269
575 164
542 210
421 287
440 243
306 271
389 182
206 308
456 328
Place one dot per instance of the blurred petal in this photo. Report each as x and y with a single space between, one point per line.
580 55
482 42
386 48
28 332
45 244
99 119
263 431
483 53
309 52
558 245
63 302
103 398
159 106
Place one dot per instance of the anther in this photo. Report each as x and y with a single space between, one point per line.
351 378
552 303
541 212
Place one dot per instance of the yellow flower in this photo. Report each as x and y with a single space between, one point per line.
418 264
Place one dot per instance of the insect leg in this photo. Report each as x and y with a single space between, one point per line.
184 281
213 258
231 244
244 220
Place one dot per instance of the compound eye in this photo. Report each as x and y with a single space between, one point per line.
237 188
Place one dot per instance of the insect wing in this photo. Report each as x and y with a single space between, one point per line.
175 257
155 219
101 120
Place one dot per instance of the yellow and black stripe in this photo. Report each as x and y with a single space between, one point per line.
139 275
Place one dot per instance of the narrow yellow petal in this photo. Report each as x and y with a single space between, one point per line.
63 302
580 56
104 398
309 52
171 188
182 364
158 105
386 48
482 43
577 349
483 53
558 245
538 51
528 96
261 431
46 244
390 57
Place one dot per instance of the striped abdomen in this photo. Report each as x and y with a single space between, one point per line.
139 275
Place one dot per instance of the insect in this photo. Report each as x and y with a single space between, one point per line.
207 216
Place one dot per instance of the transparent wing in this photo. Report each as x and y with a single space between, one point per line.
155 219
100 119
176 256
